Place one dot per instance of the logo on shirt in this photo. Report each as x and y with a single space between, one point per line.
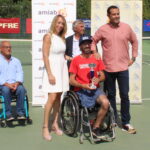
83 66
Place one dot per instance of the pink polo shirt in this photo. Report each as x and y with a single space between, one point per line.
115 45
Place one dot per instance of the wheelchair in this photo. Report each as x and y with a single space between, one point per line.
3 122
75 117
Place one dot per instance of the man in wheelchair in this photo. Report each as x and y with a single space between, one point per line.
86 73
11 79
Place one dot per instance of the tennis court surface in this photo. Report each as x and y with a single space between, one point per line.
29 137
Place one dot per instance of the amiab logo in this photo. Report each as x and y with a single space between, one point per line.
62 12
42 31
47 12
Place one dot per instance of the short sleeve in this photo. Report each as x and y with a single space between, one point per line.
73 67
101 65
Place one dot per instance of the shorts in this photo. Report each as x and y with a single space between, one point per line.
88 97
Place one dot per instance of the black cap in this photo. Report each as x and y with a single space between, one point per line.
85 38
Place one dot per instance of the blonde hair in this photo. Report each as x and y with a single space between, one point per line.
53 26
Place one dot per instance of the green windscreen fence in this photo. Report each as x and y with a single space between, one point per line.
23 51
146 51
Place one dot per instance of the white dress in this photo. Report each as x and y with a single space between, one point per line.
58 66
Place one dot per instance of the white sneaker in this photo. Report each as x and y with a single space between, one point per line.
129 128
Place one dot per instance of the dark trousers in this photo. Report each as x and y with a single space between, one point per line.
110 88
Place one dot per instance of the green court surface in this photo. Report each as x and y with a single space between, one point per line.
29 137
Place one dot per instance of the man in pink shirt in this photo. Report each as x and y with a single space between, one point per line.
115 37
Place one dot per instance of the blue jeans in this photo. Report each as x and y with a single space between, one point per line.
110 88
7 94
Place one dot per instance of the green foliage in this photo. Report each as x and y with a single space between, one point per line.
83 9
10 8
22 8
146 9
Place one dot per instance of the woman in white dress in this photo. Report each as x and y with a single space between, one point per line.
55 78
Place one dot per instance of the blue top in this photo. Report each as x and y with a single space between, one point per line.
10 72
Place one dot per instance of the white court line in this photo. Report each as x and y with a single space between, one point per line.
146 63
146 54
145 38
146 99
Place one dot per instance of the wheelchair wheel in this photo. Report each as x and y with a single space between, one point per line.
22 122
3 123
29 121
70 114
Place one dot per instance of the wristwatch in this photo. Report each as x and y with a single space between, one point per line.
133 58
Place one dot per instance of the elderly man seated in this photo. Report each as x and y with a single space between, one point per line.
11 79
86 72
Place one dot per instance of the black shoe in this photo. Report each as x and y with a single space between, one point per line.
10 118
21 117
96 133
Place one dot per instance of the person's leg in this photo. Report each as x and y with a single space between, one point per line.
123 82
56 109
104 105
6 93
104 102
110 87
20 92
47 110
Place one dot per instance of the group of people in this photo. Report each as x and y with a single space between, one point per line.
80 51
78 54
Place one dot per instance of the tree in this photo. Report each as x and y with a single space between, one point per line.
22 8
15 8
146 9
84 9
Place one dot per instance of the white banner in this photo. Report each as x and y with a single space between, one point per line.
131 13
43 11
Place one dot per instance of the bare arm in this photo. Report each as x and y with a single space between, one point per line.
73 82
95 39
46 53
134 43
